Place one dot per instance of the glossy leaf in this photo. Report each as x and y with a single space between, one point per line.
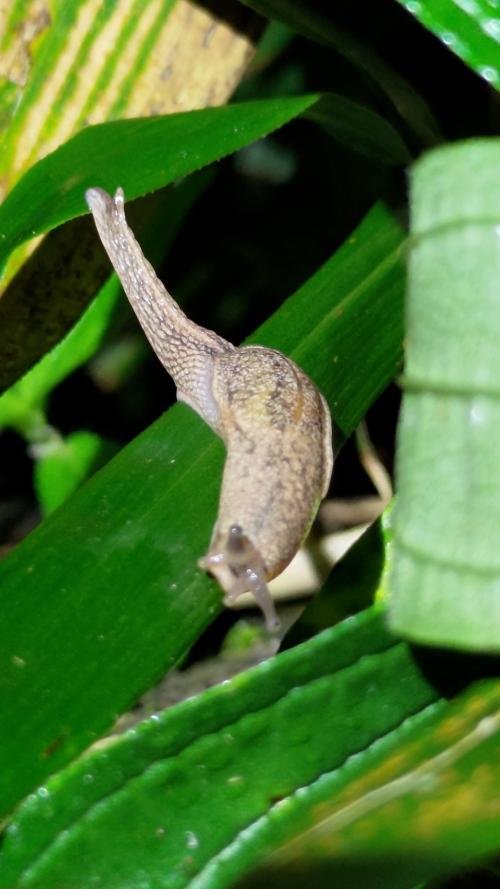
30 318
445 585
311 20
156 806
131 536
170 147
471 30
196 795
413 807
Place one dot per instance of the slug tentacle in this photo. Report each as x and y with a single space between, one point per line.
239 568
273 420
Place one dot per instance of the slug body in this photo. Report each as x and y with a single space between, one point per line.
273 420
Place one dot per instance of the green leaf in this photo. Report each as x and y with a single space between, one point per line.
131 536
63 464
169 147
471 30
359 128
445 584
419 804
315 24
159 804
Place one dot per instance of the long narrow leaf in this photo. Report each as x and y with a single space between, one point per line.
471 30
169 147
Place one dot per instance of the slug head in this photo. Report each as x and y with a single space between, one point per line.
239 568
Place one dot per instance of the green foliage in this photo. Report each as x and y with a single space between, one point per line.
445 585
353 757
170 147
120 519
471 30
215 753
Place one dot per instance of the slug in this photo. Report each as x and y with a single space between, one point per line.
274 423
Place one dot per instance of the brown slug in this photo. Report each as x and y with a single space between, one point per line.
273 420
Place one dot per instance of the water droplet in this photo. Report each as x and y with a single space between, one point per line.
489 74
183 153
18 661
469 6
43 793
88 778
192 841
492 28
414 6
476 413
236 781
448 38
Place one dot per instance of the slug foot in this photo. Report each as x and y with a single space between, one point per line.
239 568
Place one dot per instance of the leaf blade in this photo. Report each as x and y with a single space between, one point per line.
222 734
170 147
470 30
